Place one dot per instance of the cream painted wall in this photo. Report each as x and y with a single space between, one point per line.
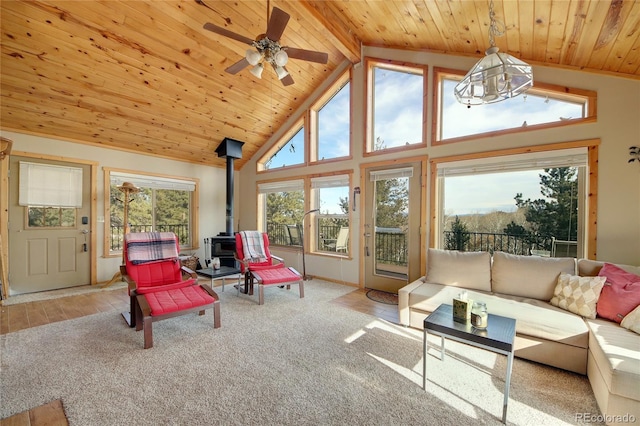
618 127
212 193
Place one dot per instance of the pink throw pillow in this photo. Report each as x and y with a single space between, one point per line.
620 294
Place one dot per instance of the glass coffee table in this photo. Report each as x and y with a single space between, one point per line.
498 337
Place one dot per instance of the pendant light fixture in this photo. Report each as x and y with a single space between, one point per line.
497 76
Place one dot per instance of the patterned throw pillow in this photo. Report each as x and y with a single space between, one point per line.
578 294
632 320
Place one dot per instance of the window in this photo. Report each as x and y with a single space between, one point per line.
51 217
525 204
330 137
163 204
289 152
330 194
323 134
396 109
282 209
540 105
51 194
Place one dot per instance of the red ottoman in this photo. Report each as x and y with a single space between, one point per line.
276 276
161 304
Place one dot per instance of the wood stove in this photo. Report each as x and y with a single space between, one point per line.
223 246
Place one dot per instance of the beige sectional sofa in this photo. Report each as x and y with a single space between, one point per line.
521 287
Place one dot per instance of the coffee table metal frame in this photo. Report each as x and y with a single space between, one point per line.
498 337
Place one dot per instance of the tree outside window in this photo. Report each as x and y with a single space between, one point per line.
152 210
283 208
543 216
162 205
330 194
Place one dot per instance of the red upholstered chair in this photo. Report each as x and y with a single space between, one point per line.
258 265
159 286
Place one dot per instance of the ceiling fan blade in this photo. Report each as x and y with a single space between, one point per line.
238 66
277 24
225 32
307 55
287 80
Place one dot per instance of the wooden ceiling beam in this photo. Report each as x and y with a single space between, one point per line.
337 31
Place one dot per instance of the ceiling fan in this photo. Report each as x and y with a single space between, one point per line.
267 49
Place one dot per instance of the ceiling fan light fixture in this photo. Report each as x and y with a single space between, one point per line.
496 77
282 73
281 58
253 57
257 70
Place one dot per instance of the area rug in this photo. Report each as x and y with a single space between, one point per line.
290 361
383 297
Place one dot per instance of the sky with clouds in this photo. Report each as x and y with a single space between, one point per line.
398 120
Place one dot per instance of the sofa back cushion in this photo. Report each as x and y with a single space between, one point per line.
591 268
528 276
470 270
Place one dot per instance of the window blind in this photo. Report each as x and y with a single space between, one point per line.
391 174
330 181
49 185
513 163
281 186
153 182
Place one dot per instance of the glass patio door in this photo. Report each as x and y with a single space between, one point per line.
392 226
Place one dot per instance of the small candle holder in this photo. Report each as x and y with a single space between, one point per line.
479 315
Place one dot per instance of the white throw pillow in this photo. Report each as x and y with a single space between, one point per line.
631 321
578 294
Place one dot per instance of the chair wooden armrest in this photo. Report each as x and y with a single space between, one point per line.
189 272
244 262
131 284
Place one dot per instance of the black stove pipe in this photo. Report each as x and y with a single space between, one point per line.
229 149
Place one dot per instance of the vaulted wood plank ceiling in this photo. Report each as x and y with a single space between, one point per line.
144 76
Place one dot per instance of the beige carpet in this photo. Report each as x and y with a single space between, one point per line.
291 361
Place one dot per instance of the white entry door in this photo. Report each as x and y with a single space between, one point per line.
49 247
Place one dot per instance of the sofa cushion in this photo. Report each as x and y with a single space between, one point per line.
470 270
578 294
528 276
620 294
591 268
616 351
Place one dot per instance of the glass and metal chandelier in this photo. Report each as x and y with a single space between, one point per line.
497 76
